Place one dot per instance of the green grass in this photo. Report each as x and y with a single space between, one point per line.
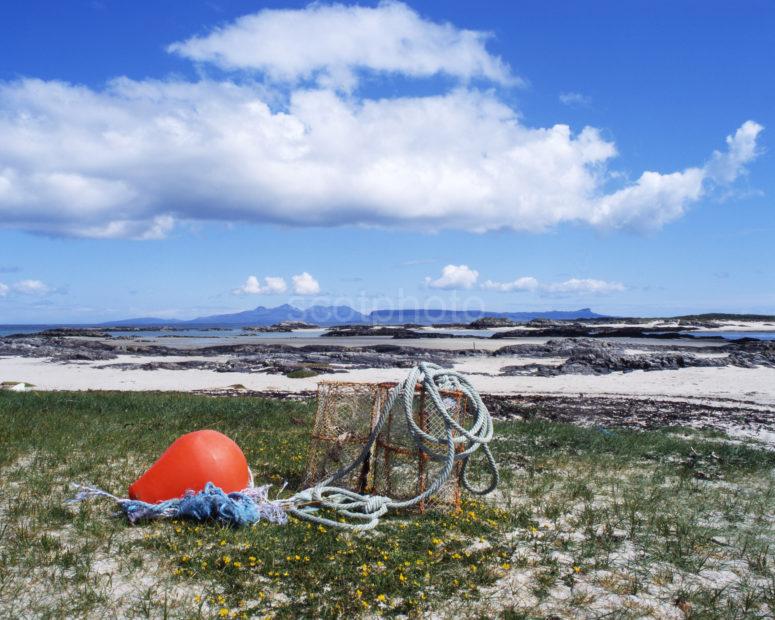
586 522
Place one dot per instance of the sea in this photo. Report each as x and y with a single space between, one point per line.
174 332
228 332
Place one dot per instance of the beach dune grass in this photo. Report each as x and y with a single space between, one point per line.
669 523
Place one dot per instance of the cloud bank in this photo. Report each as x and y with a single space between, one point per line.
456 277
279 139
303 284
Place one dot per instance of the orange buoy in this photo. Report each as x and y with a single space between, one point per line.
190 462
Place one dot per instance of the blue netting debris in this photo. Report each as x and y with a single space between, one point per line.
211 504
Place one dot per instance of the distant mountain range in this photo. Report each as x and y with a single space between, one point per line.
344 315
428 317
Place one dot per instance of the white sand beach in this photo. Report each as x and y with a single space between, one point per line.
753 385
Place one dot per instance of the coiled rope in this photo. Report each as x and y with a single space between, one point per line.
363 512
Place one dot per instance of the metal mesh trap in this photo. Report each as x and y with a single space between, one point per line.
396 467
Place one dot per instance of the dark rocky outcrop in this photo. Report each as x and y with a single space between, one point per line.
749 353
402 332
592 357
553 329
57 348
72 332
283 361
488 322
284 326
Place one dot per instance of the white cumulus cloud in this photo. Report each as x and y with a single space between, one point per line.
131 159
253 286
4 289
526 283
725 167
454 277
584 285
305 284
331 42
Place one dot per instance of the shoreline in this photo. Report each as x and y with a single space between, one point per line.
751 385
726 385
741 416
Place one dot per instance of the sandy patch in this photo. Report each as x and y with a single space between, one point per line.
755 385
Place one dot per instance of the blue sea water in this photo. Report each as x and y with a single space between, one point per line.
6 330
193 332
233 332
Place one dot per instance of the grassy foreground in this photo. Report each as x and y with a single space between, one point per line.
586 523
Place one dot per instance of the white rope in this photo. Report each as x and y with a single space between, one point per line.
363 512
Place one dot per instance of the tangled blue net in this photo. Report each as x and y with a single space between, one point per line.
211 504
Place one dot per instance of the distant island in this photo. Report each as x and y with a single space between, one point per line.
345 315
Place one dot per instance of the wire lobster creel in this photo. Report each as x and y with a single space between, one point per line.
346 415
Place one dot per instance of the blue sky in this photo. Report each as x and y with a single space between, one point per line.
142 179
